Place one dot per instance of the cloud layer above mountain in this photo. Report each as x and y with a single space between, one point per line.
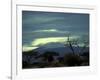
41 28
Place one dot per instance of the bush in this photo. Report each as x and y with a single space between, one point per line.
72 60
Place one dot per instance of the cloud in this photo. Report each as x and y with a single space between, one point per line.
44 41
28 48
50 31
45 33
40 19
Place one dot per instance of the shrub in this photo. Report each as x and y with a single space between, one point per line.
72 60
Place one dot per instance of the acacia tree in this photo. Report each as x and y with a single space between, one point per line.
81 45
70 43
75 42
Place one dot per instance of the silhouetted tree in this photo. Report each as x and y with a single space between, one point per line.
75 43
70 43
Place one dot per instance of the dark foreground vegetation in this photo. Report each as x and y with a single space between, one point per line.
33 59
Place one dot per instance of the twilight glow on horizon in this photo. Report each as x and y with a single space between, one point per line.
50 29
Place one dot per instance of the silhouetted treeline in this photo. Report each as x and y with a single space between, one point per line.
33 59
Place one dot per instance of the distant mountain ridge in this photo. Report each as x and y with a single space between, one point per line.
61 50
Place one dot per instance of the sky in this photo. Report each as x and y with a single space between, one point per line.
51 29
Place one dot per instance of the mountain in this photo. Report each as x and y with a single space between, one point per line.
60 50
